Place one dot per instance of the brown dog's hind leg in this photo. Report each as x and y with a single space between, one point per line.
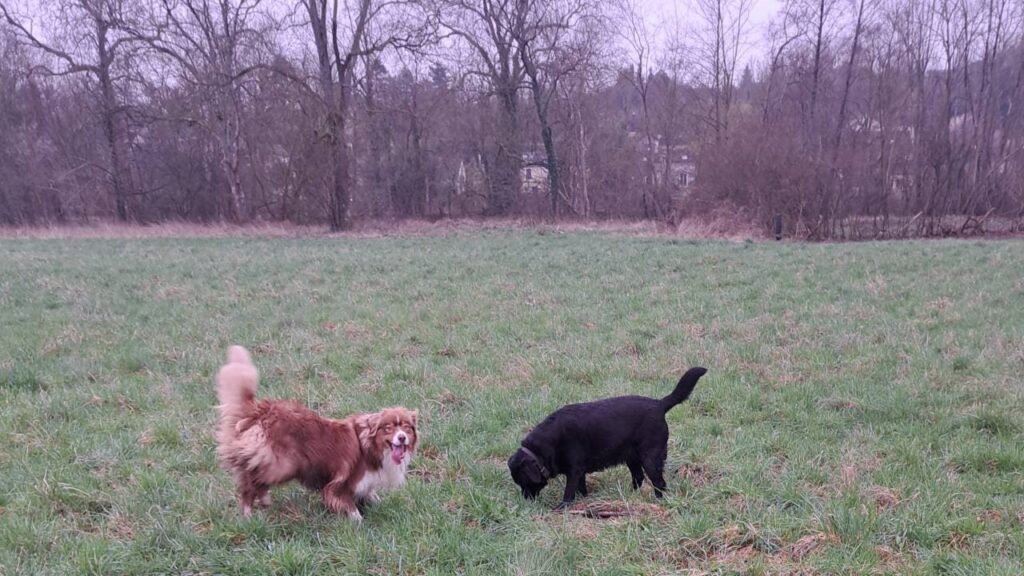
263 496
248 493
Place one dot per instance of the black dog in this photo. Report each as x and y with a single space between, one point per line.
581 438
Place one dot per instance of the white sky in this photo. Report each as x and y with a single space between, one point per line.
657 13
761 12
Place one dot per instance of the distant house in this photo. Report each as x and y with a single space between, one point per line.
534 179
682 170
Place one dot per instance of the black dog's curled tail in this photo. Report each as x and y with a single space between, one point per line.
683 389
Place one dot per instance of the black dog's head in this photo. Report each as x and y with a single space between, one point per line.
529 473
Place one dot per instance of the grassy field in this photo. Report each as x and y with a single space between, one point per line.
862 412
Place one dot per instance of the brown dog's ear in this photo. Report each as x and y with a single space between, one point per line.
367 425
414 413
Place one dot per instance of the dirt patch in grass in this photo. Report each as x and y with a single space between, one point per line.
430 465
884 498
856 462
519 369
956 540
355 331
120 527
806 545
447 402
993 517
733 546
839 404
738 503
699 474
741 547
464 376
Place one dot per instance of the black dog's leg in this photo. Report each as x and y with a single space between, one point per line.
637 472
654 466
582 488
572 483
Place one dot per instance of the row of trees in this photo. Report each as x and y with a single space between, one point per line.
849 117
879 118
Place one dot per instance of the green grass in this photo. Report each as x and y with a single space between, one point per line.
862 412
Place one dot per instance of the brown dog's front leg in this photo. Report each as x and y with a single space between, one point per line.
338 499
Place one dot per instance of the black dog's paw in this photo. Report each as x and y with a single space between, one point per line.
560 506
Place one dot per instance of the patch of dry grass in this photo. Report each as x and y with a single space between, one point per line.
717 227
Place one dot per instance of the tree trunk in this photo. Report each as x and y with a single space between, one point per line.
230 156
339 194
336 101
505 183
831 198
583 171
419 204
120 174
231 134
546 133
382 201
552 162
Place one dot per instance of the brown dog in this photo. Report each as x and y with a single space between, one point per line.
268 442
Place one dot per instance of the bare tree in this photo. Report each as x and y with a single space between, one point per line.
376 127
213 46
720 43
489 28
343 32
104 26
639 42
26 196
674 108
830 196
553 41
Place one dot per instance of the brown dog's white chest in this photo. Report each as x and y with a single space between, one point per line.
388 477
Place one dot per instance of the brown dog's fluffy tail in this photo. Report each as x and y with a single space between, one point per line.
236 391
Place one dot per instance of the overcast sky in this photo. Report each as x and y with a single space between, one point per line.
762 12
658 13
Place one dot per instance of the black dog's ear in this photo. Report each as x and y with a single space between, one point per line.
524 467
534 473
515 464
